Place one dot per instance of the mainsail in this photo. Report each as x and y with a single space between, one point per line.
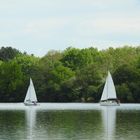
31 94
109 91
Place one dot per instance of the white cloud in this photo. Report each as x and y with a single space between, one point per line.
59 23
45 25
111 25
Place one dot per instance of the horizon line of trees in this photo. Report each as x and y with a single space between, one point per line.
72 75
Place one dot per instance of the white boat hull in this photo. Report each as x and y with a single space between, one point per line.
109 103
30 104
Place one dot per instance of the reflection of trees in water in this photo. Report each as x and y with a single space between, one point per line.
12 125
128 125
109 121
70 124
31 120
32 124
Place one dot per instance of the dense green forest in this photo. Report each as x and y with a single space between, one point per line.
72 75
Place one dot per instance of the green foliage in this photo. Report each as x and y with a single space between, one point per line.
86 78
11 81
114 58
60 73
76 58
28 63
124 93
125 74
8 53
70 58
126 78
73 75
54 75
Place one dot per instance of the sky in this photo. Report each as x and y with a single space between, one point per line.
38 26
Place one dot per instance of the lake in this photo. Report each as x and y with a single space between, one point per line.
69 121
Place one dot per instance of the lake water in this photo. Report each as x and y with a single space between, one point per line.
69 121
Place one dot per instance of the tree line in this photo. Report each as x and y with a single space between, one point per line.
72 75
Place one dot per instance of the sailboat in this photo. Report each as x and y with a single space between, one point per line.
30 98
109 97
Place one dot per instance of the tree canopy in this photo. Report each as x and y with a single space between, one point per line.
72 75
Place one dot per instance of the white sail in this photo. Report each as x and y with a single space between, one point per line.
109 91
31 94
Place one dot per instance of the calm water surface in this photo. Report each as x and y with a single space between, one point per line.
53 121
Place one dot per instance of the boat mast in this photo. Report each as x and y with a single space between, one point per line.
30 90
107 86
